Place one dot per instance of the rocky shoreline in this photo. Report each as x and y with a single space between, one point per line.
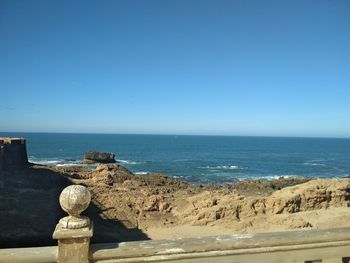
157 203
127 207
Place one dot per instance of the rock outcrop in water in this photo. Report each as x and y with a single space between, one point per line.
99 157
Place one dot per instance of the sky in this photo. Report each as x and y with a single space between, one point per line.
269 68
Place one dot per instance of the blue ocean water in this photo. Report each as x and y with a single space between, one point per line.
200 159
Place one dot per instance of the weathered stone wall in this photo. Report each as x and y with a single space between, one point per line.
13 154
29 208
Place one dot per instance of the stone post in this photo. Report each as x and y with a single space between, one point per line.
73 232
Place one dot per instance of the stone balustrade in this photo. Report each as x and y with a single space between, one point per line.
74 232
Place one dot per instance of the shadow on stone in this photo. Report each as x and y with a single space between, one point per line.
109 231
30 210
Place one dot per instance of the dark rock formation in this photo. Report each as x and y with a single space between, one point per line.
99 157
13 154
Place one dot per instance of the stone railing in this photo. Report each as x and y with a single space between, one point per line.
74 232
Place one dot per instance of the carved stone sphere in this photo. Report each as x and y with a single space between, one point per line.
74 199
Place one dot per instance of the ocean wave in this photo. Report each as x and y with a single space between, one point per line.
129 162
314 164
69 164
141 173
61 162
275 177
45 162
269 177
222 167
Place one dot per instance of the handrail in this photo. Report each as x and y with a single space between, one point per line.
29 255
224 243
185 248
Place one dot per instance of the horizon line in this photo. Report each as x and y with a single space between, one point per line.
174 134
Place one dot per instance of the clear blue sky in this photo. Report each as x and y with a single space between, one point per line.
176 67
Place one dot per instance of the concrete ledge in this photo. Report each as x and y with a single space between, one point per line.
329 245
29 255
218 246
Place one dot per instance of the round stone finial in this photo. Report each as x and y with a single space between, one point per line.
74 199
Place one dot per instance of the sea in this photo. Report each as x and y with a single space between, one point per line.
199 159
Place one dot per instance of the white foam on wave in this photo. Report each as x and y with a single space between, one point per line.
69 164
129 162
268 177
56 162
222 167
314 164
45 162
141 173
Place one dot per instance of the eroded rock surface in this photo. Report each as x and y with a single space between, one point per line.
315 194
99 157
125 206
157 200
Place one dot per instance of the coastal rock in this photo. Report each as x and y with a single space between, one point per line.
99 157
109 180
266 187
209 207
111 173
315 194
152 203
156 200
107 167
